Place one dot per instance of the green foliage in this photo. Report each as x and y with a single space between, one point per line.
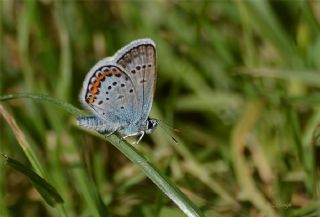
239 79
47 191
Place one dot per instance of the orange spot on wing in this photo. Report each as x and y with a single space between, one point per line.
91 99
117 73
101 76
96 83
94 90
107 73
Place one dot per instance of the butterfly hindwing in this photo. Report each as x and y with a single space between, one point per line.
109 93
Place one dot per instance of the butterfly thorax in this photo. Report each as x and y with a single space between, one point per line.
136 128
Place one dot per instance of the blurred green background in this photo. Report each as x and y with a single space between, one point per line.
239 79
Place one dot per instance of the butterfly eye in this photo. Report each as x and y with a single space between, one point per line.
151 125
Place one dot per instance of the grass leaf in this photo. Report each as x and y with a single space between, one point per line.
165 185
47 191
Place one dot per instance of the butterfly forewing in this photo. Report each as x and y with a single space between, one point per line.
138 59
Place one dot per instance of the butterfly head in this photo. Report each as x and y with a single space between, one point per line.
151 125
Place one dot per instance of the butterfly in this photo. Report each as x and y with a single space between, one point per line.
119 91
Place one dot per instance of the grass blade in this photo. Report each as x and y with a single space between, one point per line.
165 185
47 191
42 97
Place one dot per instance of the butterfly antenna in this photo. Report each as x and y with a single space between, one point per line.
169 132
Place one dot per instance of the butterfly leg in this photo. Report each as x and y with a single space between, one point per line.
142 134
134 134
124 137
112 132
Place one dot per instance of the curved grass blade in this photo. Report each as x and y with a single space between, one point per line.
47 191
43 97
165 185
92 198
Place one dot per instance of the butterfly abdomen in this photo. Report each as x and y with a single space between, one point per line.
94 123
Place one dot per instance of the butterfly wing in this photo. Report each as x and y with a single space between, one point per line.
109 93
138 59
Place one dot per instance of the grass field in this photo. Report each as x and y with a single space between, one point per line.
239 80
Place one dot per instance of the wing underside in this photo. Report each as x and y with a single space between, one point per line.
139 61
110 94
